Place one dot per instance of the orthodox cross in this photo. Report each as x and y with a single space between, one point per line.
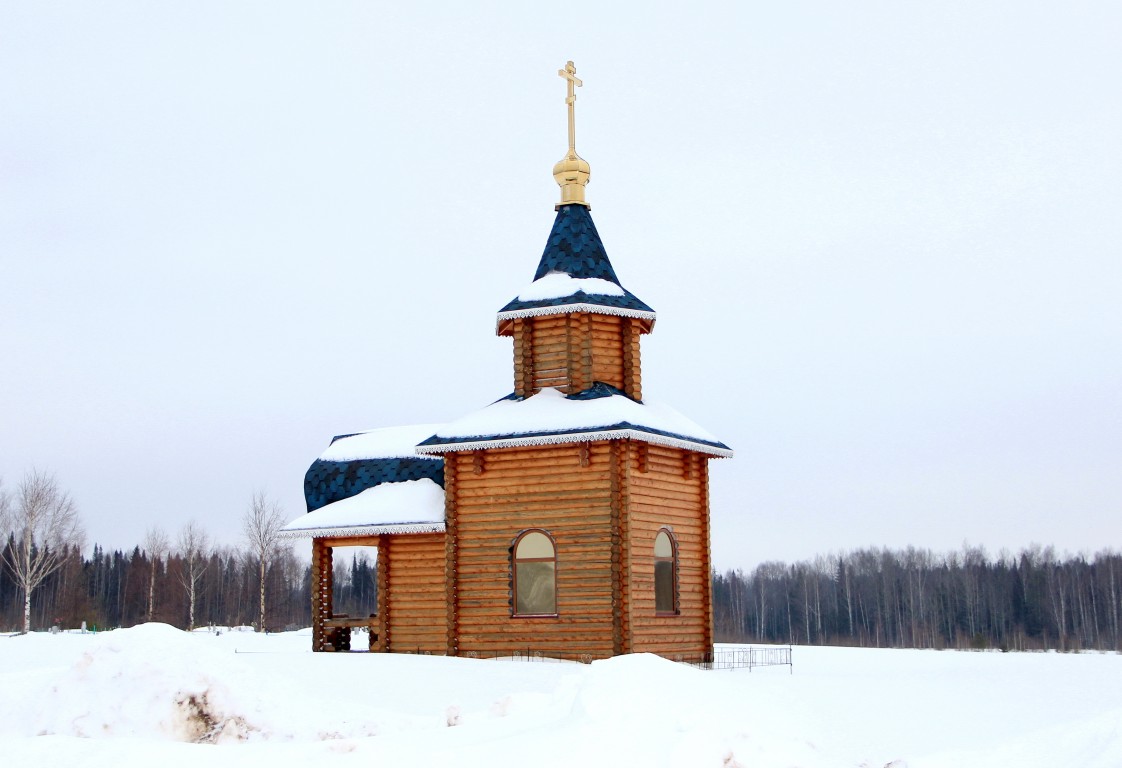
570 75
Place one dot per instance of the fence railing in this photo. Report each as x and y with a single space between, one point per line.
747 657
738 657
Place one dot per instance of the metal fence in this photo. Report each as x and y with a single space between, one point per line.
747 657
723 657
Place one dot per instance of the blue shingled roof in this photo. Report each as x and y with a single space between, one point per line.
531 431
574 248
329 481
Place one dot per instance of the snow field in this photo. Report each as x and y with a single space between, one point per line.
155 694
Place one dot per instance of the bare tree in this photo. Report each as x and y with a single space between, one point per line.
192 546
44 522
262 525
156 545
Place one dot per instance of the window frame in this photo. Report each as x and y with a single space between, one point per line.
514 563
673 561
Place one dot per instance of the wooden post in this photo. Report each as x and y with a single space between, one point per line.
451 554
322 597
382 577
632 375
524 357
620 622
706 556
385 587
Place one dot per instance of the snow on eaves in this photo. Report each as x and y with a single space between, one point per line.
550 417
559 285
384 443
413 506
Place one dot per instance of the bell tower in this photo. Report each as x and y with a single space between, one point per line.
575 325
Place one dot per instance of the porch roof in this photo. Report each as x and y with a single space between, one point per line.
413 506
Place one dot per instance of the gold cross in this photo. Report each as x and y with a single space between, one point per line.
570 75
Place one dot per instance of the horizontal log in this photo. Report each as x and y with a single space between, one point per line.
434 622
671 481
497 601
415 553
577 641
572 586
403 588
513 477
540 383
530 627
422 645
429 611
510 487
416 568
496 544
541 322
664 498
350 541
408 558
569 551
499 518
519 508
605 324
647 518
552 344
544 452
352 623
413 564
471 571
606 354
599 610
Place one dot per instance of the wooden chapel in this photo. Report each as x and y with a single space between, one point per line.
568 519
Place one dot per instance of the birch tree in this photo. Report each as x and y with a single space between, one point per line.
262 525
193 543
156 546
43 520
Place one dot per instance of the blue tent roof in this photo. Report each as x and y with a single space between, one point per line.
329 481
574 248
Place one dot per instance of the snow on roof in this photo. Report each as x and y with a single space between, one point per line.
558 285
384 443
575 275
414 506
550 417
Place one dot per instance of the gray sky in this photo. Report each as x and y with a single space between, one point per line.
882 239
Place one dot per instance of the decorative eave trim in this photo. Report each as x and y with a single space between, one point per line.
363 530
578 437
562 309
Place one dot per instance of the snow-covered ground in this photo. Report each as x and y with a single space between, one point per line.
158 696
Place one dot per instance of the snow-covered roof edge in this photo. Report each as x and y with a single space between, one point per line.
363 530
561 309
380 443
576 436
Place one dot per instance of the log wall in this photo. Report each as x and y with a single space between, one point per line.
565 490
667 487
572 352
414 615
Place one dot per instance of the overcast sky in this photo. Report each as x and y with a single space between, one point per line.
883 241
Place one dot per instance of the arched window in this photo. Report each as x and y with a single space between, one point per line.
535 570
666 574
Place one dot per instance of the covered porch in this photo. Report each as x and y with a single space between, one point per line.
331 631
404 522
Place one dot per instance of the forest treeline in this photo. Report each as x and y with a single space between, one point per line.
914 598
911 598
111 589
